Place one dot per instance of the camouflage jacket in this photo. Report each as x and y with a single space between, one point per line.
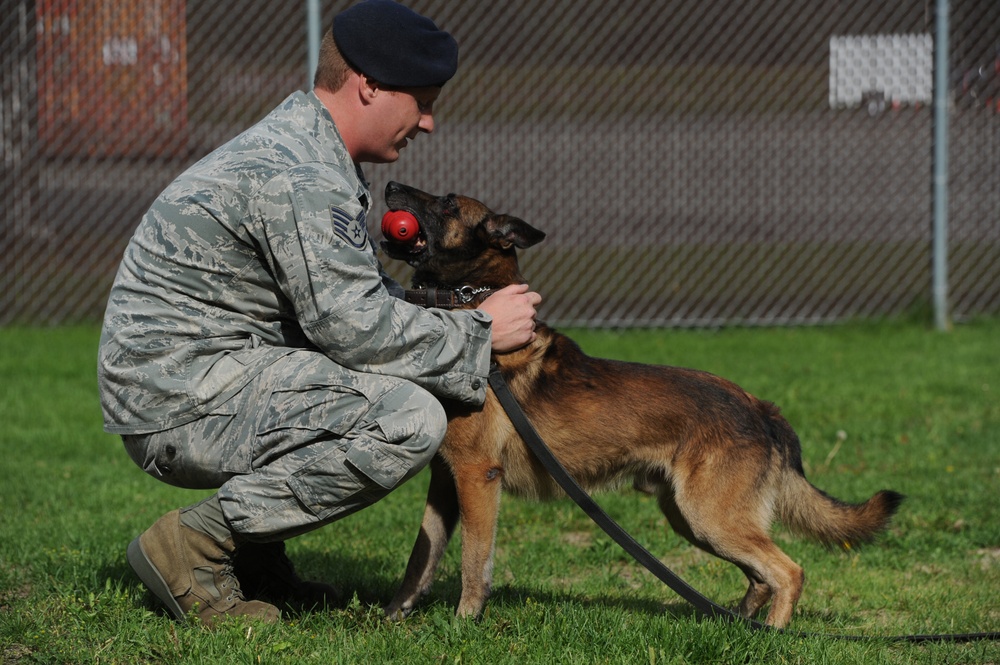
259 249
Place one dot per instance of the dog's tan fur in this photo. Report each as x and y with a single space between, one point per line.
723 464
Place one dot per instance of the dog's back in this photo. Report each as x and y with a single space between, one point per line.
646 422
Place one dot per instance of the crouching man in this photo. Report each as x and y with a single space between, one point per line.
252 343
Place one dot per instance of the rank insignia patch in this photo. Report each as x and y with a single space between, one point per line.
354 231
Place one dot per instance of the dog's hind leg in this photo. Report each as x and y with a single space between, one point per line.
772 574
478 487
736 536
440 517
757 595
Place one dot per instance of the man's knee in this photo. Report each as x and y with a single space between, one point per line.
411 422
428 417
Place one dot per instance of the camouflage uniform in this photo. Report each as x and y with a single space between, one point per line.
253 343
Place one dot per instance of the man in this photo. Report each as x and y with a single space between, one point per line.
253 344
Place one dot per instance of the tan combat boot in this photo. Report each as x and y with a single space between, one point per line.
266 573
189 571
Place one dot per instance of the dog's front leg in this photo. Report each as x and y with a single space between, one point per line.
440 517
479 502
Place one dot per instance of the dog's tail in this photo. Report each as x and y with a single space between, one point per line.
815 514
807 510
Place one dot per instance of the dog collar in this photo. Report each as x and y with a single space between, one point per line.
446 298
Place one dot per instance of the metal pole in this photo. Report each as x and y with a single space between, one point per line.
314 33
940 194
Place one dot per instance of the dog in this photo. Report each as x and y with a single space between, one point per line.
722 464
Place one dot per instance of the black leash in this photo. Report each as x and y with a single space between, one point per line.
705 606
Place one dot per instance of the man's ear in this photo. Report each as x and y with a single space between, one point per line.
367 88
507 231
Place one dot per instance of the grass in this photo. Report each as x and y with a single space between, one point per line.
876 404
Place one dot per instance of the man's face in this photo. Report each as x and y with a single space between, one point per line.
398 116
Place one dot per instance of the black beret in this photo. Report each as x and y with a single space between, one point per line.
395 45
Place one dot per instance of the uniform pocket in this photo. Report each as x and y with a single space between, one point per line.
330 485
333 410
375 459
192 456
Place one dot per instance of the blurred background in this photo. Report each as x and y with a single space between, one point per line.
693 164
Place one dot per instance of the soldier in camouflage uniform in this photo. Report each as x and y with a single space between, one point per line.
253 344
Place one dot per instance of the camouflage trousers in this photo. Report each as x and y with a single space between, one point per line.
307 442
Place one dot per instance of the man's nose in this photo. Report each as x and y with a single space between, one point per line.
426 123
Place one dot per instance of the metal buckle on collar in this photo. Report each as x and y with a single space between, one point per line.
465 294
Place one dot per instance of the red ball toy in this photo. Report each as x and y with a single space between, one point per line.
400 226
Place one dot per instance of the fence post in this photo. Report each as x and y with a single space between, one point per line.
314 33
940 193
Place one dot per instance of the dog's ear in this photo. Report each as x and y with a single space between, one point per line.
510 231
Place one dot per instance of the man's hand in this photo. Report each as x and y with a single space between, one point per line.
513 312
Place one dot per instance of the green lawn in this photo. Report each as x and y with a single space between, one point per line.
892 405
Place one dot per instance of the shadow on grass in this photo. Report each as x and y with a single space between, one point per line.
513 596
360 578
371 581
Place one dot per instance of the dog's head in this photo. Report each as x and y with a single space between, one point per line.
461 241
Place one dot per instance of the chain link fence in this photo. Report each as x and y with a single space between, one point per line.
693 164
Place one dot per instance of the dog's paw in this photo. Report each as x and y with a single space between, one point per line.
396 613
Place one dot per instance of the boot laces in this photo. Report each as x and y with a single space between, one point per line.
230 582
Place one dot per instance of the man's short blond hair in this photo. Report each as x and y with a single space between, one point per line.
332 70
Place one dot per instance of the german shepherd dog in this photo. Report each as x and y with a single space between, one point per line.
723 464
